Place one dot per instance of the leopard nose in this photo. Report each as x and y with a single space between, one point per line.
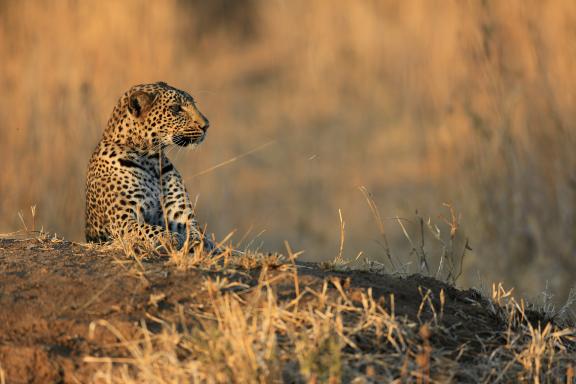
204 127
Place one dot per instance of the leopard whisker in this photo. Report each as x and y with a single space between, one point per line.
170 149
178 152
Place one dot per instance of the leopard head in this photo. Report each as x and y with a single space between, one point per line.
155 116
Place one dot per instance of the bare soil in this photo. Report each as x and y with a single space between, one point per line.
51 291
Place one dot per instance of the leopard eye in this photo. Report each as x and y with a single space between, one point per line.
176 109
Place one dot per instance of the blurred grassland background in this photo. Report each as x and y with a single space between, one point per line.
423 102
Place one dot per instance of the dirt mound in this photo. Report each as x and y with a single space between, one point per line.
51 291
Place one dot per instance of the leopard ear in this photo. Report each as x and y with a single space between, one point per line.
140 102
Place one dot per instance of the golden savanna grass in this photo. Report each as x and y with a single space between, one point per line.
422 102
233 332
249 317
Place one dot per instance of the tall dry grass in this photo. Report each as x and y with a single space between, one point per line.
233 332
510 137
421 102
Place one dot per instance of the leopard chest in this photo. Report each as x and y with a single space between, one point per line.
145 193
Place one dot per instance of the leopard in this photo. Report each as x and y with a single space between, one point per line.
132 188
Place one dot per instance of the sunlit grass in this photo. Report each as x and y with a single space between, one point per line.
245 334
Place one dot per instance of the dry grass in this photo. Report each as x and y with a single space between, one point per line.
468 102
281 330
272 327
234 333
